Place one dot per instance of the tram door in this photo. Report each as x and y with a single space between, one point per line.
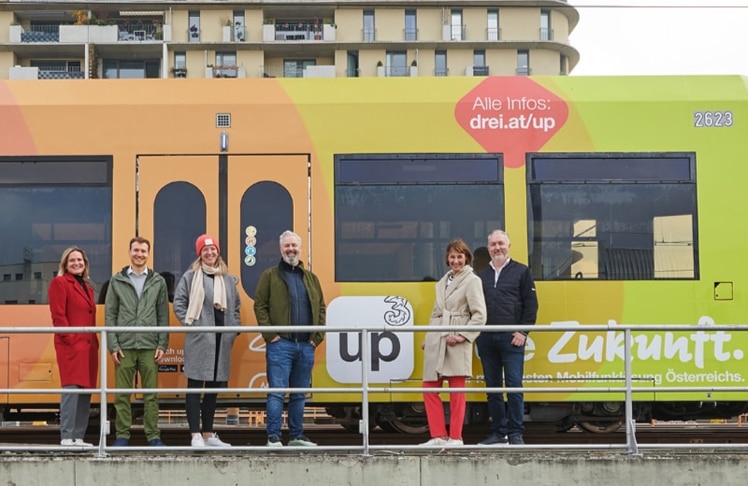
246 201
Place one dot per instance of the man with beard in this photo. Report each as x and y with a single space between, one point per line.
289 295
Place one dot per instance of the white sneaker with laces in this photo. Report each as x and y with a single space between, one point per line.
198 441
455 442
214 441
434 442
67 442
79 442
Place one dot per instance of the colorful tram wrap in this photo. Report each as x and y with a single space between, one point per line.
623 194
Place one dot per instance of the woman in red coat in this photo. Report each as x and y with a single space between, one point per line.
71 302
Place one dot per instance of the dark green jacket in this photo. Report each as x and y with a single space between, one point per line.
123 308
272 302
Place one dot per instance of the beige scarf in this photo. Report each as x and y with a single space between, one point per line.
197 292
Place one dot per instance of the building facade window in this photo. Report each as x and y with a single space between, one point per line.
132 69
523 62
564 65
194 26
240 29
226 65
294 68
440 63
492 27
352 64
397 63
455 23
411 26
479 63
369 30
546 32
180 64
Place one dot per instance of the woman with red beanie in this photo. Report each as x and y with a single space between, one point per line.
206 296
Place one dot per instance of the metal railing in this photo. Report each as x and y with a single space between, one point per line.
366 389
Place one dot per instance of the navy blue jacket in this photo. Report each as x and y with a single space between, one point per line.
512 300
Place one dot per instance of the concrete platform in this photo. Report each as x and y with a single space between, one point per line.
514 469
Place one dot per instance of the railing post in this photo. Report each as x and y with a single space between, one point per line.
363 425
103 412
631 444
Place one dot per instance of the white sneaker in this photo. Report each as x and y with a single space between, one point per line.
214 441
274 441
79 442
436 441
455 443
67 442
198 441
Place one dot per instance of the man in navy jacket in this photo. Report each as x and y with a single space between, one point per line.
510 300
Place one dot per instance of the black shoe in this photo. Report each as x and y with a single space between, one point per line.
516 439
494 439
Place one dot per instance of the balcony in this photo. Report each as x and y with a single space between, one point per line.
139 32
298 30
546 34
37 33
46 72
477 71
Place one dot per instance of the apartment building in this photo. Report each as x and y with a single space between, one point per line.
56 39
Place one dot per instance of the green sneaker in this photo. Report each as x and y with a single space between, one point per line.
302 441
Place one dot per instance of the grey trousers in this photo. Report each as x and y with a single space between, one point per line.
74 410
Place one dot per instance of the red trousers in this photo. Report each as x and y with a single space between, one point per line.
435 408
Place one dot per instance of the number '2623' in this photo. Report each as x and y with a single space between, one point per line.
707 119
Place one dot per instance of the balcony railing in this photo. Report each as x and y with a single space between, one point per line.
225 71
52 73
41 33
140 32
368 35
458 32
410 34
298 30
493 33
480 70
546 34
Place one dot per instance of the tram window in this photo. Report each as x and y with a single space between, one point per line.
179 214
52 203
395 213
612 216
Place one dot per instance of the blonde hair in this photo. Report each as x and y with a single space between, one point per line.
223 268
63 268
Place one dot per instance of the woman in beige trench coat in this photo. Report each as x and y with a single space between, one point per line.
449 355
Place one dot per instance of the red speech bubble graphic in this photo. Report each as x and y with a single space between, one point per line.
512 115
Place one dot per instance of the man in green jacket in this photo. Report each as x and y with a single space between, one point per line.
137 296
289 295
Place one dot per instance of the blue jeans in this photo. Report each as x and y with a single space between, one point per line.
289 365
503 362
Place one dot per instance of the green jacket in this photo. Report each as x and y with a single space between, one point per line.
123 308
272 306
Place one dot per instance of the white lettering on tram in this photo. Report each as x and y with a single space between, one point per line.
609 346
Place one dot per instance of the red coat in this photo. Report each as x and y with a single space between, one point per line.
77 354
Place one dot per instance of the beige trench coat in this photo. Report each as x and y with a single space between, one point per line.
459 304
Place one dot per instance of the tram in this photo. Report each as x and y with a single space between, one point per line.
624 195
